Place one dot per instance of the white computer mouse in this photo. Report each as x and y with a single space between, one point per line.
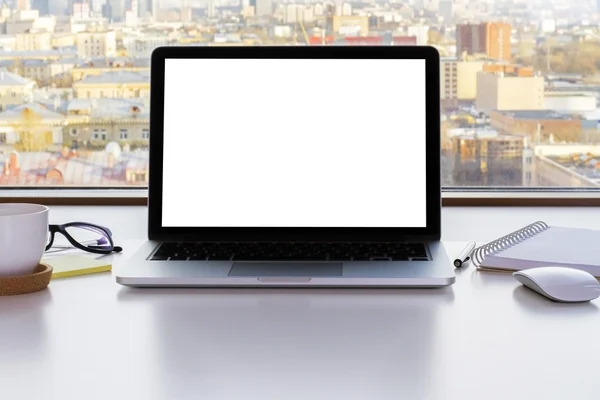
567 285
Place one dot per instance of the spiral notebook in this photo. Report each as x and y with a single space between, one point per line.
539 245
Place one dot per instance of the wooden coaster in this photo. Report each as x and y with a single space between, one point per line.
38 280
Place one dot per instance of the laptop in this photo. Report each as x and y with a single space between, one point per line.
293 167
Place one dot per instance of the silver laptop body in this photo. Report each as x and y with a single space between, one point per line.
293 167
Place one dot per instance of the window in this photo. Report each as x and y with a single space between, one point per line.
99 134
551 130
2 137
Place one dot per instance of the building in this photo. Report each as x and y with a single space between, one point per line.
114 10
290 13
211 10
81 9
356 25
319 9
43 6
143 45
421 32
509 91
458 78
467 79
36 70
262 8
96 44
107 11
49 55
572 102
446 10
32 127
403 41
33 41
490 38
14 89
489 160
148 9
29 21
25 14
294 13
363 40
556 165
104 120
541 126
23 5
56 7
63 40
21 22
308 14
97 142
345 9
186 14
114 85
102 66
132 12
567 165
46 73
449 82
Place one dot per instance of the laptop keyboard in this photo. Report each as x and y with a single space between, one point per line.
292 252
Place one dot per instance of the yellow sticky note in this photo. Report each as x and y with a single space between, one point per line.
73 265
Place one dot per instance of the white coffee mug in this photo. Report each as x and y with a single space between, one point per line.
23 237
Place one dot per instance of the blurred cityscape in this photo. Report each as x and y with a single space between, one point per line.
520 80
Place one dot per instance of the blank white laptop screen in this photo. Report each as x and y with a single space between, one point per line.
294 143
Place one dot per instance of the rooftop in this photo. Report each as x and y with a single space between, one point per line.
469 132
87 169
70 60
569 94
587 165
62 52
9 79
110 108
16 113
117 77
591 115
114 62
536 114
35 63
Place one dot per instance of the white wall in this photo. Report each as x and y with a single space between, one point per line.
573 102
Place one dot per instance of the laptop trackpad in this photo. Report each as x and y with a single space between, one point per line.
308 269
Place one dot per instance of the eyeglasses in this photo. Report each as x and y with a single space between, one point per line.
84 236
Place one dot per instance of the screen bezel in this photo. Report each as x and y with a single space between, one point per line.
432 230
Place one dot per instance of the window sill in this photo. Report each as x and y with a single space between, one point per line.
468 197
521 198
76 197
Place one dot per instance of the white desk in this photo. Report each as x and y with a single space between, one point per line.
486 337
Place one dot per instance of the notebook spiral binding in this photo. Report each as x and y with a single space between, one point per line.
507 241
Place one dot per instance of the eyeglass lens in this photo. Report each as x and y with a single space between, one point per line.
87 236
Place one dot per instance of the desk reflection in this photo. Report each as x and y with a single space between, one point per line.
225 343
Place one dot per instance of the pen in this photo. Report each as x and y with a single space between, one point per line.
464 255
